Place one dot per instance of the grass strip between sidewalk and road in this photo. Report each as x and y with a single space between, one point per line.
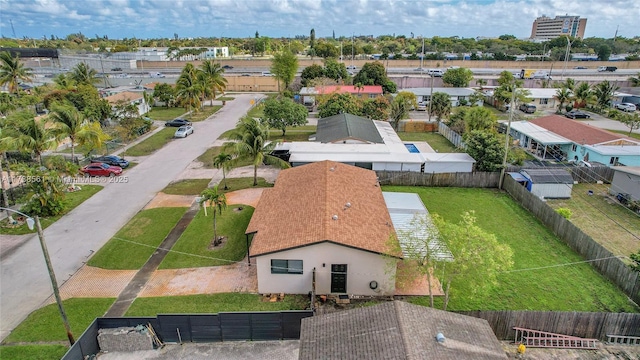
186 187
152 143
132 246
547 274
72 200
213 303
195 249
165 114
204 113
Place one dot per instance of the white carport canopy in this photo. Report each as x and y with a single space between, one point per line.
403 209
539 134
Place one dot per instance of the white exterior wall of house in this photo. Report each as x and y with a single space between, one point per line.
626 183
552 191
362 268
447 167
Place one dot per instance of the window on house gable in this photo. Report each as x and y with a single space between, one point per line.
286 266
574 147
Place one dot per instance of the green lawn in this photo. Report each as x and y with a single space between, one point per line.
225 98
72 200
204 113
207 158
198 237
602 217
234 184
132 246
214 303
165 114
32 352
536 281
152 143
438 142
294 135
45 323
186 187
626 133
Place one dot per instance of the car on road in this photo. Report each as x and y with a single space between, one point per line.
111 160
627 107
528 108
267 73
577 114
419 69
177 122
101 169
245 75
421 107
116 69
184 131
351 67
580 67
227 67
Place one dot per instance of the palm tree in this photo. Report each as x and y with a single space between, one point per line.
569 84
30 135
252 143
635 80
441 105
188 90
563 95
213 76
603 93
69 123
583 95
223 161
63 82
12 72
82 74
218 202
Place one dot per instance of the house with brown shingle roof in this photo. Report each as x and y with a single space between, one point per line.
325 223
556 137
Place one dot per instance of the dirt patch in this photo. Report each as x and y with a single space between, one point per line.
164 200
222 240
246 196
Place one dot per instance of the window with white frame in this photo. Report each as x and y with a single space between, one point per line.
544 101
574 147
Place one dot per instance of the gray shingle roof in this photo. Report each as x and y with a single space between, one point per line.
548 176
397 330
347 126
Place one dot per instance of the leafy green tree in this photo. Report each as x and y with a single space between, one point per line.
282 113
563 95
583 95
478 256
223 161
400 107
251 142
632 121
69 123
312 38
47 194
284 66
372 73
486 148
12 72
635 80
188 88
376 109
218 202
603 51
311 72
82 74
335 70
165 93
479 118
29 135
460 77
212 78
440 105
335 103
603 92
325 50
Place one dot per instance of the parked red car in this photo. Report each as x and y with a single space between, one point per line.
101 169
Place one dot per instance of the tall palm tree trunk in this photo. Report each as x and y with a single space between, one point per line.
5 199
224 178
255 175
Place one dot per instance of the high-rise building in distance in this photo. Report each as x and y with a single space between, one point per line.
545 28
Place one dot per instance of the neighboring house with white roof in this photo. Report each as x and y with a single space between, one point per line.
457 95
559 138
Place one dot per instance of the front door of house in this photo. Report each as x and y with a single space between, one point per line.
338 278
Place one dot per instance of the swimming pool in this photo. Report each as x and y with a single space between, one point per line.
412 148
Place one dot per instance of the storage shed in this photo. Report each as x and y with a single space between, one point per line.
626 180
549 183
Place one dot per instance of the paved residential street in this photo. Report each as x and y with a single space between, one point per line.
24 283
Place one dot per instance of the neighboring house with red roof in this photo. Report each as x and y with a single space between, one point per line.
327 224
556 137
129 97
309 94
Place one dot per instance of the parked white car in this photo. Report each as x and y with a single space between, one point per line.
626 107
184 131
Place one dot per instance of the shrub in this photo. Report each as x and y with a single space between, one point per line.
564 212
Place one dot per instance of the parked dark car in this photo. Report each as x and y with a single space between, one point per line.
528 108
116 69
177 122
111 160
227 67
577 114
101 169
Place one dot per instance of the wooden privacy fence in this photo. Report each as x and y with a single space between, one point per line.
464 180
600 258
580 324
452 136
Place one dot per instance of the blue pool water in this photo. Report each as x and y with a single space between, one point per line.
412 148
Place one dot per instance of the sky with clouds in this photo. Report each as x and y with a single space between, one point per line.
287 18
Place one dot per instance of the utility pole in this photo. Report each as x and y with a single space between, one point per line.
506 140
566 57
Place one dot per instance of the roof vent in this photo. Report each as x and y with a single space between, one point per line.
347 205
335 217
440 338
332 169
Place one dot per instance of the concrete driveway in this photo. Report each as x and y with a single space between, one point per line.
24 283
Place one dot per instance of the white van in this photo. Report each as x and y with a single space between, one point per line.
267 73
156 75
435 72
